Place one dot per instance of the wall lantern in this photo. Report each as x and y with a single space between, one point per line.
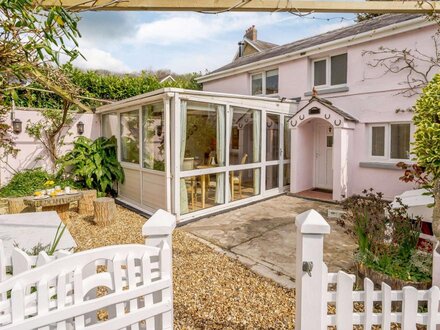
17 126
80 128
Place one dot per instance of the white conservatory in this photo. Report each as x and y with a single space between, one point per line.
195 153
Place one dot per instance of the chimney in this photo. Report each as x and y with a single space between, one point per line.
251 33
240 48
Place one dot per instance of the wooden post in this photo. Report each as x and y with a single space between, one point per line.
158 231
85 204
105 210
311 272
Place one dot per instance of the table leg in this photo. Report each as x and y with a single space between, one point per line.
62 210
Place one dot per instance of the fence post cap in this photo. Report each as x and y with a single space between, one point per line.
160 223
311 222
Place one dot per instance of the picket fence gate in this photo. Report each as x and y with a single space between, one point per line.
113 287
328 299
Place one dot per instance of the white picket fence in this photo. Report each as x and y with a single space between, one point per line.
317 290
69 292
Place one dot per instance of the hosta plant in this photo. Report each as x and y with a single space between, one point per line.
96 162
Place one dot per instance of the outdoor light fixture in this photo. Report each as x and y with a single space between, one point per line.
16 126
80 128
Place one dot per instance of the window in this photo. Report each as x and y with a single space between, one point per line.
257 84
153 127
330 71
390 141
265 83
130 137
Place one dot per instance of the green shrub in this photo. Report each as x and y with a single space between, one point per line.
386 236
25 183
96 162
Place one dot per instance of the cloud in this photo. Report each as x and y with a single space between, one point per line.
195 28
97 59
332 26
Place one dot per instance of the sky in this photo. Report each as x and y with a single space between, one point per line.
185 42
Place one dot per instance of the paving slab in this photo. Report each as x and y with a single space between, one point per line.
265 233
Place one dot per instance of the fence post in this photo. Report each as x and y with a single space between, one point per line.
159 228
310 284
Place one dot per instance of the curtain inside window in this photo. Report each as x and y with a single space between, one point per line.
256 148
183 190
220 151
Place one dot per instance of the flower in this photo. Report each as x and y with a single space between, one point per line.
49 183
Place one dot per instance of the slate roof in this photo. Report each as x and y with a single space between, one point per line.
352 30
262 45
329 105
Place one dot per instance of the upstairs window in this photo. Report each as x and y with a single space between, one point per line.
265 83
330 71
390 141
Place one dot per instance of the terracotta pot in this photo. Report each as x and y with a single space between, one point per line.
394 283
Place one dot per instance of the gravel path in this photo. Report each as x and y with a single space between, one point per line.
211 291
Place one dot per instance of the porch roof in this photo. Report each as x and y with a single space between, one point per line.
326 103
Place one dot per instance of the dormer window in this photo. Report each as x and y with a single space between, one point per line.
330 71
265 83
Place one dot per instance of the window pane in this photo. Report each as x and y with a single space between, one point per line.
400 136
286 138
130 137
201 192
109 125
378 141
339 69
205 136
272 82
272 177
244 183
245 136
257 84
320 74
272 137
153 137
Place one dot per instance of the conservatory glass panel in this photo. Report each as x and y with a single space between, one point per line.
153 144
272 137
272 176
203 127
244 183
201 192
286 175
130 137
245 146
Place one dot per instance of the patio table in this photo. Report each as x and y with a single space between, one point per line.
29 229
60 204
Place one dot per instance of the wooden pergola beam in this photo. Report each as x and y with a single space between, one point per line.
249 5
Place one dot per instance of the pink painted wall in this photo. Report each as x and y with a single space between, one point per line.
32 154
372 98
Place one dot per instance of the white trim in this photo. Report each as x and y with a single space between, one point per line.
386 31
328 72
387 150
263 82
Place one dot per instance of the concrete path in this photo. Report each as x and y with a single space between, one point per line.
263 236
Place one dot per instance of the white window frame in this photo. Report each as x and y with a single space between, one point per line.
263 83
387 142
327 71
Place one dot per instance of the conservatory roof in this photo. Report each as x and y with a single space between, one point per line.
170 91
